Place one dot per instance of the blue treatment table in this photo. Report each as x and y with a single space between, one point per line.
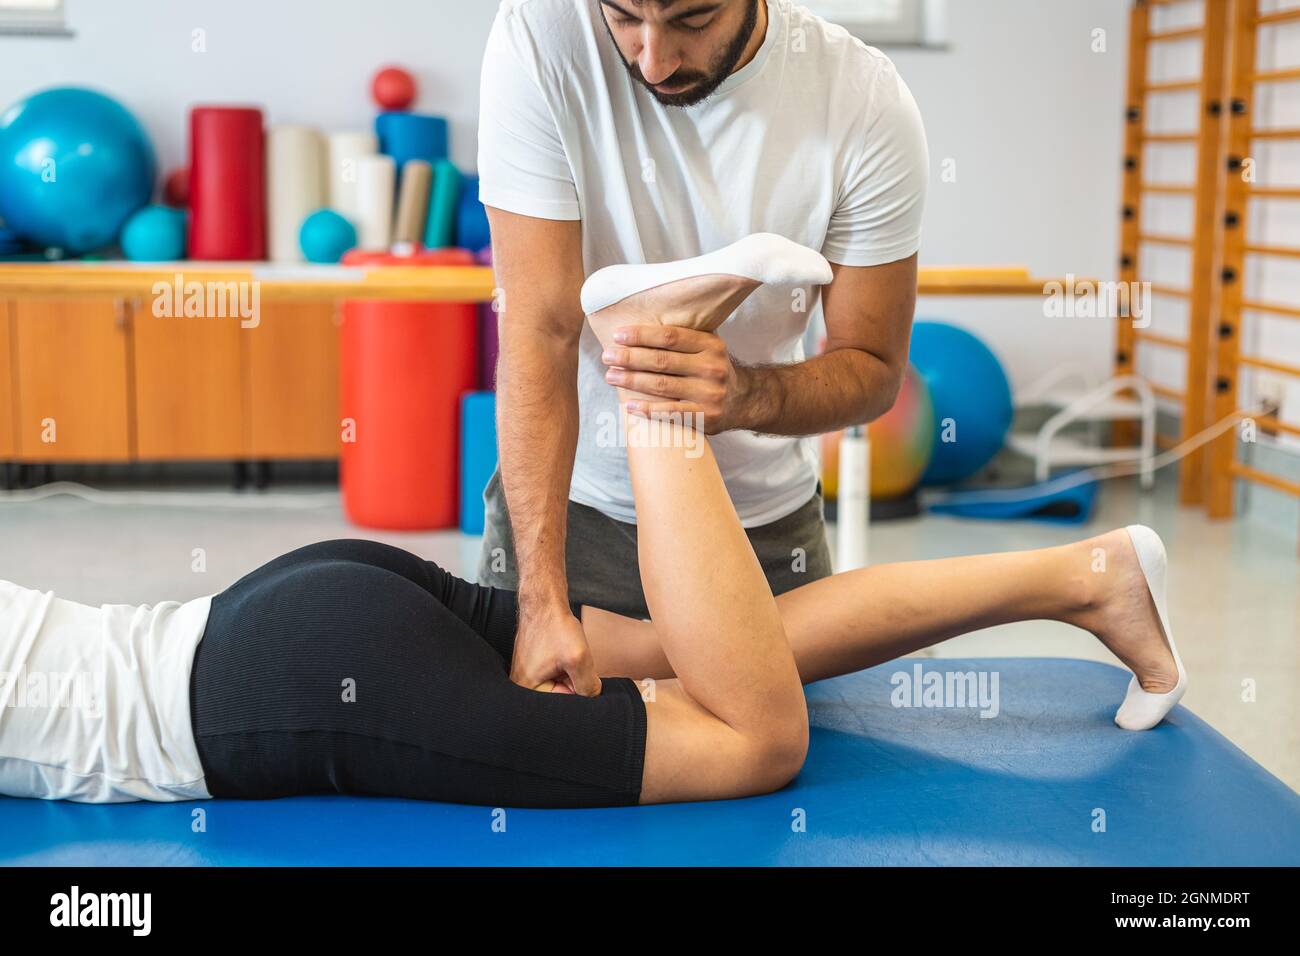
882 786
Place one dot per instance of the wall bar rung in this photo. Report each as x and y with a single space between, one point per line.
1170 137
1182 33
1278 16
1171 291
1164 391
1155 338
1172 86
1254 361
1274 192
1276 76
1172 189
1281 252
1165 240
1264 478
1272 308
1279 133
1270 424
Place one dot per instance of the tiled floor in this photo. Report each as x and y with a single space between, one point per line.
1235 586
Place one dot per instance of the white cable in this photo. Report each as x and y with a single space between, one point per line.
179 499
1103 472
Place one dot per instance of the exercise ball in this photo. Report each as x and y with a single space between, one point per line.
176 187
154 234
393 88
902 441
971 399
74 164
325 236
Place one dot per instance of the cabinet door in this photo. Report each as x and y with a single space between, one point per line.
70 361
8 394
291 376
188 399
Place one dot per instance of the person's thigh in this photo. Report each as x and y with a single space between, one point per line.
600 555
602 561
793 550
341 677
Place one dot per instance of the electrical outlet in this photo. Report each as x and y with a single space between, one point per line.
1271 392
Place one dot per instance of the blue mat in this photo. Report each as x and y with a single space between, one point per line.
883 785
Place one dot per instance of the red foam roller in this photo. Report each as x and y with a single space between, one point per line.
227 184
403 368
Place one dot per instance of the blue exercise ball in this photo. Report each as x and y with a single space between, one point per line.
74 165
325 236
154 234
971 397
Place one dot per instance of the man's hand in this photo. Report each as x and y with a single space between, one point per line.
550 647
682 370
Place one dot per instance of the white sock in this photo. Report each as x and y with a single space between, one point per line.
1141 710
763 257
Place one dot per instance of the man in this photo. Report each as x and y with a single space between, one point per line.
652 130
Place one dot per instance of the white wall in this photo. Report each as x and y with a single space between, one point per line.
1031 119
1031 116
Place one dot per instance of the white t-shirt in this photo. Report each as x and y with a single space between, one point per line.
816 139
95 701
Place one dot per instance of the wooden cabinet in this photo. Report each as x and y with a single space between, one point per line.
69 357
291 382
8 444
189 403
106 380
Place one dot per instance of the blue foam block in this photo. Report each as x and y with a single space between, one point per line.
478 455
472 230
882 785
406 136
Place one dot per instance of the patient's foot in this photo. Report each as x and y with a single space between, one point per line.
700 302
699 293
1120 611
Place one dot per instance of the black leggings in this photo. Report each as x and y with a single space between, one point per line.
355 667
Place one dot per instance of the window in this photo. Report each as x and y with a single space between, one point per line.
886 22
32 16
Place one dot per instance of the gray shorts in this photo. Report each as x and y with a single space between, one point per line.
602 560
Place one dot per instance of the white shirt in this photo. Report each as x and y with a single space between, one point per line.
816 139
95 701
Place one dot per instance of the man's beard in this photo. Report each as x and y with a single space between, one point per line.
702 85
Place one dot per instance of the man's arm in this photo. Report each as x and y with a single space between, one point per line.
538 264
868 326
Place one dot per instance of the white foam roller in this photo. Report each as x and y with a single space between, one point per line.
345 149
295 187
376 180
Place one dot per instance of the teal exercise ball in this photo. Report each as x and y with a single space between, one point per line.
971 398
325 236
74 165
154 234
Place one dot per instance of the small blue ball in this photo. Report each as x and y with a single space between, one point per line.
325 236
154 234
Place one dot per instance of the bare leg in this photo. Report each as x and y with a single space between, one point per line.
734 722
861 618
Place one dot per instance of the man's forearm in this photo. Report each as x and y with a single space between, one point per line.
538 429
840 388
